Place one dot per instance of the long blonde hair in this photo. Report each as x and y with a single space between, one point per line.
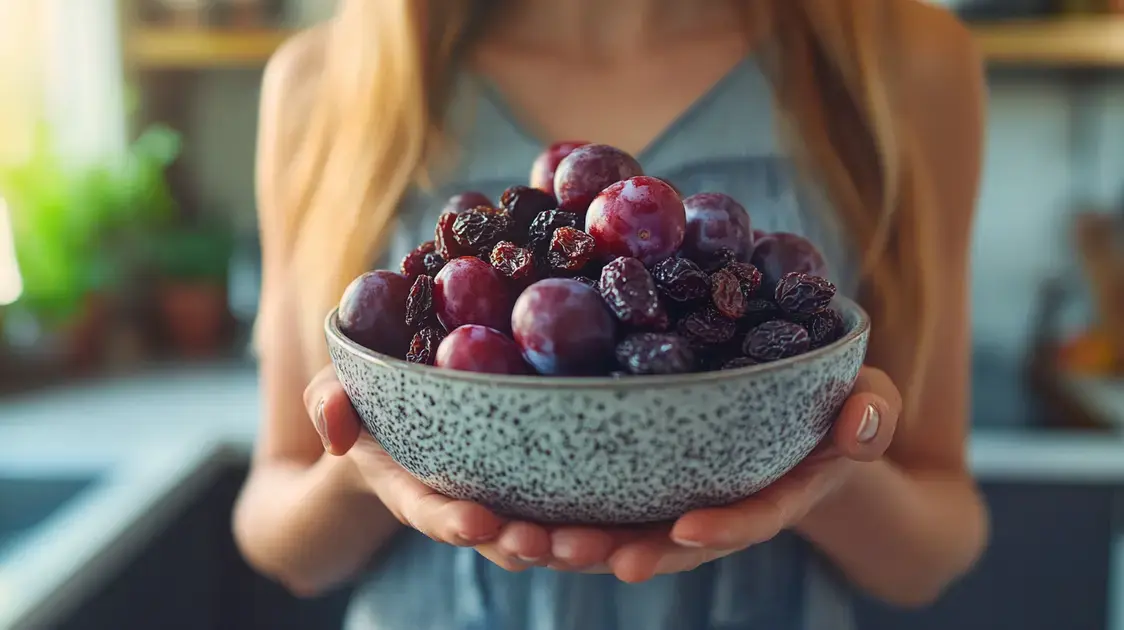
375 128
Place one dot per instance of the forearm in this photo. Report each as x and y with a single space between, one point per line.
310 527
903 536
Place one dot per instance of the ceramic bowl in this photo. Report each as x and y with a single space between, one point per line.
601 450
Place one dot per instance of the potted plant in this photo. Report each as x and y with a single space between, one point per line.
192 263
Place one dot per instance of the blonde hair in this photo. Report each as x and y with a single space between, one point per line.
376 124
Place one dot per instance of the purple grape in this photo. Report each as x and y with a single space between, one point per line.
714 221
466 201
780 253
372 312
641 217
546 165
588 170
469 291
480 349
564 328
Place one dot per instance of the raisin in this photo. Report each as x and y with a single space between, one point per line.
707 327
444 239
512 261
414 264
748 276
433 263
570 249
524 203
761 310
775 340
718 259
419 302
803 294
824 327
543 227
589 282
423 347
726 293
738 363
485 253
631 294
481 227
680 280
653 353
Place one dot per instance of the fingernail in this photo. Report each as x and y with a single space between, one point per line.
527 560
562 548
322 426
684 542
869 427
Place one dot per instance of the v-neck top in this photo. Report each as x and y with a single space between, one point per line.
727 141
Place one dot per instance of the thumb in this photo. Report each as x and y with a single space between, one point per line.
331 412
869 418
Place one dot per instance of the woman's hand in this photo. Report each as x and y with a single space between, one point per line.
862 433
514 545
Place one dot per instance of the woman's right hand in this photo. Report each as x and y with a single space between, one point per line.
513 545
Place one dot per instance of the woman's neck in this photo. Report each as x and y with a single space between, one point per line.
610 30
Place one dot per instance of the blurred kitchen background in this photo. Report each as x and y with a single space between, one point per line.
127 392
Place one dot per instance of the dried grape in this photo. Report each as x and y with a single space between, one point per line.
631 294
775 340
512 261
419 303
681 280
423 347
653 353
803 294
570 249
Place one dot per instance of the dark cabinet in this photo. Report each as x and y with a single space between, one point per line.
1046 568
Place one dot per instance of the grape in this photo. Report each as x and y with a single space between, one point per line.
570 249
780 252
801 294
372 312
543 227
652 353
641 217
514 262
469 291
416 263
824 327
544 167
681 279
776 340
715 221
481 228
466 201
587 171
564 328
474 348
630 292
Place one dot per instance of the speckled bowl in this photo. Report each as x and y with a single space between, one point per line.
601 450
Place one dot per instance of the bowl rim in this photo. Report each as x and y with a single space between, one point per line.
538 381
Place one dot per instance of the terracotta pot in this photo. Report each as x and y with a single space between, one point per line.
194 318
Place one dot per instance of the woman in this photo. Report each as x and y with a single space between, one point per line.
882 101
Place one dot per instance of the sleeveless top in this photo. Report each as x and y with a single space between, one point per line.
725 142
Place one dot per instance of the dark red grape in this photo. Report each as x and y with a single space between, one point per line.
630 292
564 328
641 217
423 347
714 221
544 167
824 327
803 294
707 327
776 340
481 228
681 280
473 348
587 171
466 201
748 277
419 303
372 312
570 249
414 264
654 353
470 291
524 203
781 252
512 261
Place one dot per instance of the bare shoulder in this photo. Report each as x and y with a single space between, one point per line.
943 92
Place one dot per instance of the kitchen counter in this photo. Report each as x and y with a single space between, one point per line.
155 442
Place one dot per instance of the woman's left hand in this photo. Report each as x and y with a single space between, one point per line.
861 433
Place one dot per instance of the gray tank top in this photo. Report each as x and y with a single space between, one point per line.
726 142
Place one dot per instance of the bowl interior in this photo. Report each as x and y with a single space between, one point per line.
856 323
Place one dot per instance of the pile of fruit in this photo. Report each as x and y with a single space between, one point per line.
595 269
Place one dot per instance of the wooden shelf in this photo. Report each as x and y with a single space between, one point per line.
1085 42
187 49
1077 42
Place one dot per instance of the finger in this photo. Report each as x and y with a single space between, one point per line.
866 424
331 412
642 559
580 548
456 522
525 542
500 558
